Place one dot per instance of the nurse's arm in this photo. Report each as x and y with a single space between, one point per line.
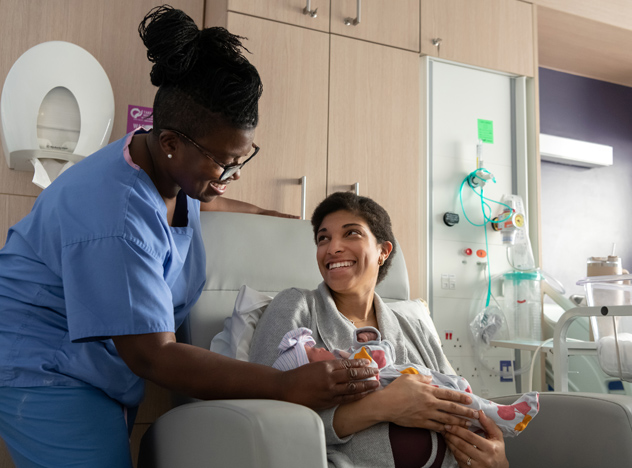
236 206
203 374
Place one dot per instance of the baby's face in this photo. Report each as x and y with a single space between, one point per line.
366 336
315 354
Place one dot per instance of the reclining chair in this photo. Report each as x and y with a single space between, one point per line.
271 254
578 430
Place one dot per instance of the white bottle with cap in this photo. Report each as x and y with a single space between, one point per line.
605 266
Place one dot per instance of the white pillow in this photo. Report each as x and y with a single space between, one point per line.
234 340
609 357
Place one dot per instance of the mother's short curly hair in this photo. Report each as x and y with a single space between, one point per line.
376 217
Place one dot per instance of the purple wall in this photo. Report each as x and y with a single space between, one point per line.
585 210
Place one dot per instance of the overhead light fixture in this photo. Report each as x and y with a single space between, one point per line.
574 152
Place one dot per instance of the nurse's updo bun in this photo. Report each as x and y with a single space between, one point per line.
203 77
172 41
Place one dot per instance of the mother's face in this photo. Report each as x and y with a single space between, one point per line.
348 253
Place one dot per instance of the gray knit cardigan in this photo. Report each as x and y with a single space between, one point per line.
413 342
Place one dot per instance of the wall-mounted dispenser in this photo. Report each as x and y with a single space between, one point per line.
57 107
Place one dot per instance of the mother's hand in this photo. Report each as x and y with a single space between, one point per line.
473 451
413 403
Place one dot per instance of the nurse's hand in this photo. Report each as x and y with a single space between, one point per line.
325 384
237 206
473 451
278 214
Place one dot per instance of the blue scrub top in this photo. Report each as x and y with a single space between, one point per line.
95 258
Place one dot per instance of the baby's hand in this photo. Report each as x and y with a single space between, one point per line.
366 336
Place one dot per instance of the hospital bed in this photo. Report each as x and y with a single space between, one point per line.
271 254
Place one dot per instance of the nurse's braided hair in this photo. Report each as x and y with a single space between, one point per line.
203 77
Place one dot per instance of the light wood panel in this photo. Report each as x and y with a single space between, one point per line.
394 23
494 34
614 12
12 209
374 134
534 163
286 11
424 152
584 47
156 403
292 132
215 13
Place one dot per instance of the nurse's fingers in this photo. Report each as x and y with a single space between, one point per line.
349 370
354 379
278 214
325 384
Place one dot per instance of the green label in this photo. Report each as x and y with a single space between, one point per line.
486 130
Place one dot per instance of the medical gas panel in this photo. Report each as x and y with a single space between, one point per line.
476 120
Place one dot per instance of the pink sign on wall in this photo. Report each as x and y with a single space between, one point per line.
139 116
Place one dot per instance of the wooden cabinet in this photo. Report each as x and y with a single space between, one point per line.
292 133
394 23
374 134
494 34
285 11
339 111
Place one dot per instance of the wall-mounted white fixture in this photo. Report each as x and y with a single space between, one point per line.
574 152
57 107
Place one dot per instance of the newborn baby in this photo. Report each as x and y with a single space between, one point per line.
298 348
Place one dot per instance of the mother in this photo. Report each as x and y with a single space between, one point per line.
409 423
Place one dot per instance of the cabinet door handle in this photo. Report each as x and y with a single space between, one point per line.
355 21
356 188
437 43
308 10
303 183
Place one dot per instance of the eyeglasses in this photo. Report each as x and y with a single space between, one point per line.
229 170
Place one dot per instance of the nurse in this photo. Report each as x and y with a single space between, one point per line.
96 279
